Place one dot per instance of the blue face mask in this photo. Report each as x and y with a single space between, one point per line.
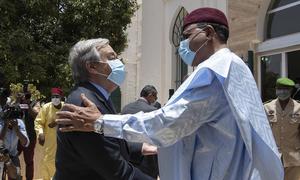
117 74
186 54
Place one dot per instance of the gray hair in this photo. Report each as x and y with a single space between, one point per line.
82 52
148 89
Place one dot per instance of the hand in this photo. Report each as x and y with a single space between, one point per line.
14 124
4 157
41 139
148 149
78 118
52 124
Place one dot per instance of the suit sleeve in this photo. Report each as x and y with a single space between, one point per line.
103 154
135 152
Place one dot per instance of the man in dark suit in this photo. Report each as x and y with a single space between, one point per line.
148 95
97 72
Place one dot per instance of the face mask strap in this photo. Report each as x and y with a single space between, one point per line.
201 30
105 75
196 36
201 46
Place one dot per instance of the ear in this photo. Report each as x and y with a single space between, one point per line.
90 67
210 32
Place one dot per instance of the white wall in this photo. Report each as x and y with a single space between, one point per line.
132 56
150 53
157 50
153 46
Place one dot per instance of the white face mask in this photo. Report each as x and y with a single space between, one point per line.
55 101
283 94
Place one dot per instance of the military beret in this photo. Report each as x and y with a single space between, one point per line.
206 14
285 82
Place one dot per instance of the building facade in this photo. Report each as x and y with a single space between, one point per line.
154 36
264 33
267 29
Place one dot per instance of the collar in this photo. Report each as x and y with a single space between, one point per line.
143 99
217 63
287 108
102 90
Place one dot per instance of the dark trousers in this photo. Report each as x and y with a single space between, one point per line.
16 162
28 153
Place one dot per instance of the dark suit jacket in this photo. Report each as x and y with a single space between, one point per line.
148 164
137 106
82 155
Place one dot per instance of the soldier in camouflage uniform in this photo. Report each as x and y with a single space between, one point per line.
284 117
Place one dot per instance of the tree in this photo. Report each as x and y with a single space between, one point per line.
36 35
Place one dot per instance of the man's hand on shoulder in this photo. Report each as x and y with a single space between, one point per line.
76 118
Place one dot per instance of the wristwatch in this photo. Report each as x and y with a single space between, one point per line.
98 125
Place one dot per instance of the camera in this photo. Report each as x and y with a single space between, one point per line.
3 150
9 111
15 110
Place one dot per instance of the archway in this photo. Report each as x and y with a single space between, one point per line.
180 68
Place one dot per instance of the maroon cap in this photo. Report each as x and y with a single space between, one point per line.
208 15
57 91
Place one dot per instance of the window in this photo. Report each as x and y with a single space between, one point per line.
270 71
279 54
181 67
281 3
282 18
294 73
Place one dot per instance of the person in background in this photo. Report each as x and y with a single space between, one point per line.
148 164
213 127
284 116
148 96
156 104
7 167
29 118
12 130
45 128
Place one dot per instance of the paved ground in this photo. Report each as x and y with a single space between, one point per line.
37 159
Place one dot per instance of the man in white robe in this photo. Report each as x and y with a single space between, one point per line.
214 126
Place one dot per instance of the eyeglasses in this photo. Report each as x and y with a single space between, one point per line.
188 32
120 58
